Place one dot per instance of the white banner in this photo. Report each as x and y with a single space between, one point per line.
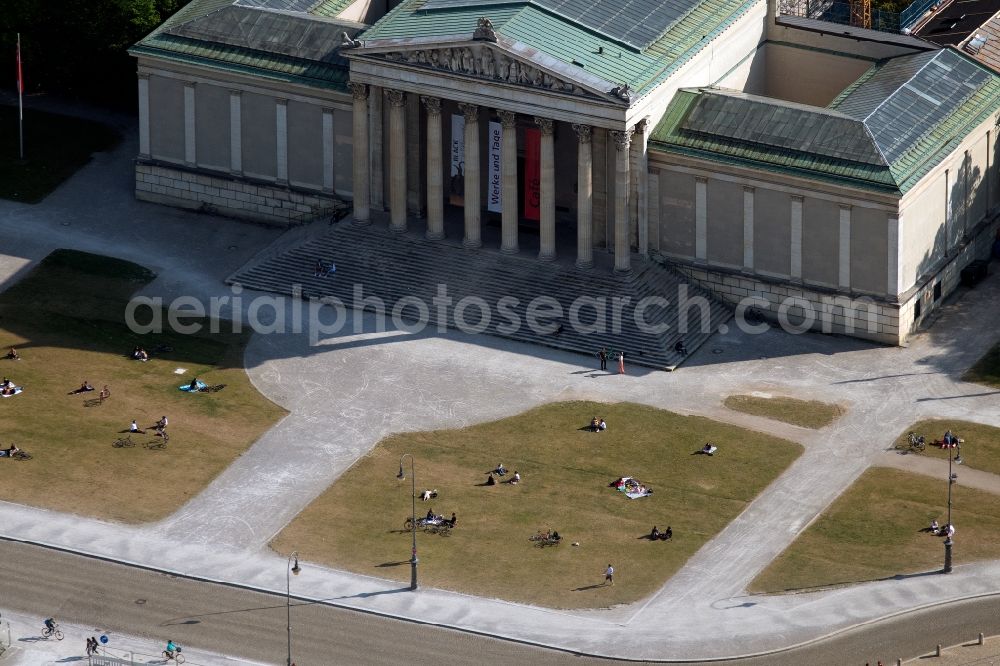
456 186
494 189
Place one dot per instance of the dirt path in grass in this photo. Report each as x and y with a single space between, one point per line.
973 478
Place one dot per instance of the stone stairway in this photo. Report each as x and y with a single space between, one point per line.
392 266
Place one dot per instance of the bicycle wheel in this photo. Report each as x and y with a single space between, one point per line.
58 635
179 658
21 455
408 524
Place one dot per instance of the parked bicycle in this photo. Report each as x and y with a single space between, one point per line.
914 442
123 442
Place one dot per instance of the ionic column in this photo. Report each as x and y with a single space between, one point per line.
473 233
547 193
584 197
508 167
144 115
435 185
281 140
190 138
642 186
236 132
362 210
622 140
397 159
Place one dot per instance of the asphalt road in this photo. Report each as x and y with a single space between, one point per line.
249 624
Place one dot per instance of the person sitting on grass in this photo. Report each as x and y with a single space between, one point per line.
667 534
709 449
430 515
654 534
9 389
594 424
194 384
140 354
515 479
451 523
935 528
554 536
84 387
490 481
134 427
602 425
105 393
12 355
500 471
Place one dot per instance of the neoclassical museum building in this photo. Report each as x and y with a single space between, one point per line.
757 153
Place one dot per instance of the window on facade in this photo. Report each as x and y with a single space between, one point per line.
937 291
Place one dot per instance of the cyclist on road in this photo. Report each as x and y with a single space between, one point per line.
171 649
50 624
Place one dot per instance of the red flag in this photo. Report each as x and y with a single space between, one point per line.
20 76
532 173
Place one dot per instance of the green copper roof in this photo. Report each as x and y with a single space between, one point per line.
537 26
289 40
876 134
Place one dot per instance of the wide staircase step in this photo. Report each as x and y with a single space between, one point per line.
389 267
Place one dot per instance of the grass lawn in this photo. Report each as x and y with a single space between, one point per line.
357 523
66 320
55 146
806 413
986 370
982 442
872 531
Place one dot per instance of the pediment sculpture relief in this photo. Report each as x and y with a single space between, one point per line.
484 62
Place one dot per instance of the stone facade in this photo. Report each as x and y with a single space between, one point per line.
233 197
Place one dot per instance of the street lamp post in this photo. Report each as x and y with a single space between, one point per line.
948 543
289 570
413 515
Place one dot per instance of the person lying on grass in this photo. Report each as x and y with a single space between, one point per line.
84 387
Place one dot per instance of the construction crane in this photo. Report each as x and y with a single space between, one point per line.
861 13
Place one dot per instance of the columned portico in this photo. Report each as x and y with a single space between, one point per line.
584 197
473 232
622 141
397 159
508 167
547 191
435 187
362 211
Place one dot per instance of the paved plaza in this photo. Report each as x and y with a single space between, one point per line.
351 389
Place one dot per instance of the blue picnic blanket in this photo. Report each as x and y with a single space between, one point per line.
187 387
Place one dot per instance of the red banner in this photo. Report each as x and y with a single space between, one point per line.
532 173
20 76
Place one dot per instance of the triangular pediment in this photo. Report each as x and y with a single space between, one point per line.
502 61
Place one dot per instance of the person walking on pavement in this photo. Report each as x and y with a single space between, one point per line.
609 575
603 355
621 363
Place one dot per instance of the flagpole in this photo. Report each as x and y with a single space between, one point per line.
20 97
